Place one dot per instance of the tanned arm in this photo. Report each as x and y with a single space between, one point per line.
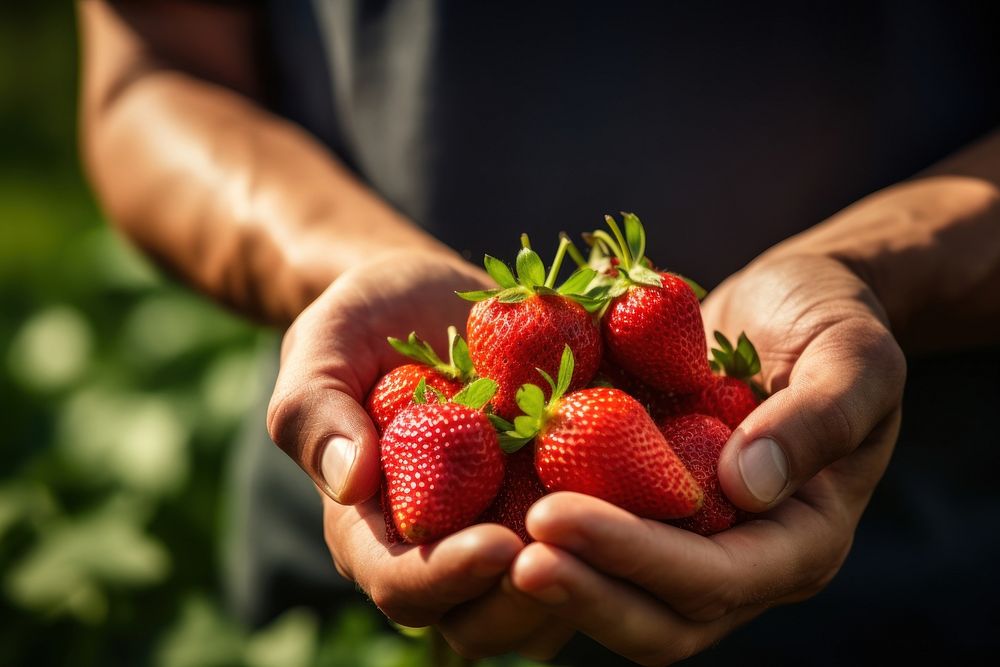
242 205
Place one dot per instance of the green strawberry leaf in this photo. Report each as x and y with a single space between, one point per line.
747 353
547 378
459 354
476 394
525 426
530 269
635 236
714 365
531 400
499 423
566 364
420 392
511 443
512 295
417 349
698 290
643 275
723 342
499 272
578 282
478 295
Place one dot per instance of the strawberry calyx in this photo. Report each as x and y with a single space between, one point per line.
474 395
620 258
532 278
740 361
531 399
459 365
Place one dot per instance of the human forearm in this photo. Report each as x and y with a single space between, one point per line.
243 205
928 247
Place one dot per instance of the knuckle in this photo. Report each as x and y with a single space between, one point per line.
472 648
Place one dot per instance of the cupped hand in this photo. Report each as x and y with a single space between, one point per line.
806 460
331 356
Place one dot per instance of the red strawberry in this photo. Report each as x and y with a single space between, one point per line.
392 535
652 327
731 397
698 440
525 324
519 491
442 464
656 402
394 391
601 442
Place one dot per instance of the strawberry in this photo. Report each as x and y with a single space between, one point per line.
392 535
652 327
394 391
442 463
730 397
601 442
657 403
698 440
525 324
519 491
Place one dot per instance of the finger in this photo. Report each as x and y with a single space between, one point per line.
614 613
416 585
846 381
315 414
498 622
794 551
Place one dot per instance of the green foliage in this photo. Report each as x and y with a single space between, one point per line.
119 395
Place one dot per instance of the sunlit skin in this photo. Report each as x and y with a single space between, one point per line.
918 263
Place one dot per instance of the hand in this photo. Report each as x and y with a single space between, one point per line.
331 357
807 459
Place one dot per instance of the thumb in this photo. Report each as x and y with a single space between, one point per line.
315 414
846 380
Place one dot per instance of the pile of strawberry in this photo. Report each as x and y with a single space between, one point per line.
602 385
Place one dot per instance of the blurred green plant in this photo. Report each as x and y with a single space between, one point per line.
119 393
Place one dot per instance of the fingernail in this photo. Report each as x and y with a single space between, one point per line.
554 594
764 468
337 461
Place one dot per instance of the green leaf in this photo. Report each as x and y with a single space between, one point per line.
417 349
531 400
747 354
530 269
714 365
499 272
565 373
721 358
510 443
476 394
478 295
635 236
525 426
723 342
698 290
512 295
578 281
547 378
644 276
499 423
459 354
420 393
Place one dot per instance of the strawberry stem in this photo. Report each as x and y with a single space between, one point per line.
573 251
625 255
525 242
564 243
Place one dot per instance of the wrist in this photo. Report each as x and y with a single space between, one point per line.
917 245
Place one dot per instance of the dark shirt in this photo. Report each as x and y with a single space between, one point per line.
727 127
